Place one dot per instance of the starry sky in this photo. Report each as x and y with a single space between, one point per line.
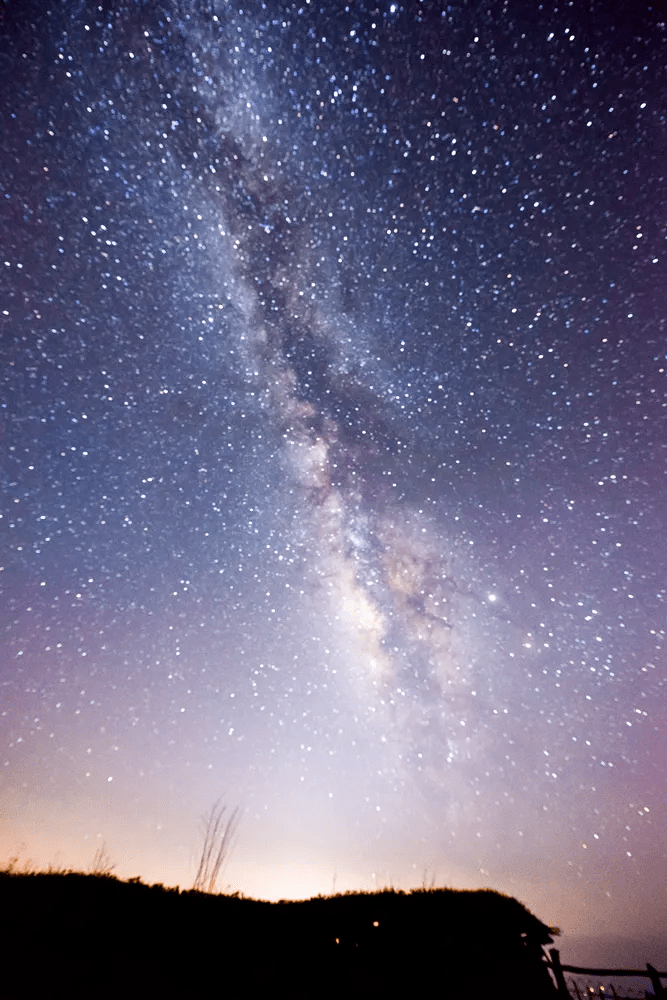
333 445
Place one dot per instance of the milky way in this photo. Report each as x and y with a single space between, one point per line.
333 444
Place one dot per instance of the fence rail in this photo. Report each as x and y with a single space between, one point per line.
558 970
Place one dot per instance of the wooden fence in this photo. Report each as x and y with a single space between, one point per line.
563 992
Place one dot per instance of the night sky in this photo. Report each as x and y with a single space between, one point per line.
334 444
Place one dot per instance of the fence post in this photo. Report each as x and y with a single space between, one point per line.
655 980
561 986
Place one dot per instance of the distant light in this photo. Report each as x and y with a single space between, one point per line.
493 597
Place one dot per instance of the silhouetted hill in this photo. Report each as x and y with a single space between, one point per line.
79 935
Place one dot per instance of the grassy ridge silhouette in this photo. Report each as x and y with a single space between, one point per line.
90 934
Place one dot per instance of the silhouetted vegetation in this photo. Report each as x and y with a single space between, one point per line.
102 863
85 935
220 828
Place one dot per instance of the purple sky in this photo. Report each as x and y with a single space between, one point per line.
333 446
